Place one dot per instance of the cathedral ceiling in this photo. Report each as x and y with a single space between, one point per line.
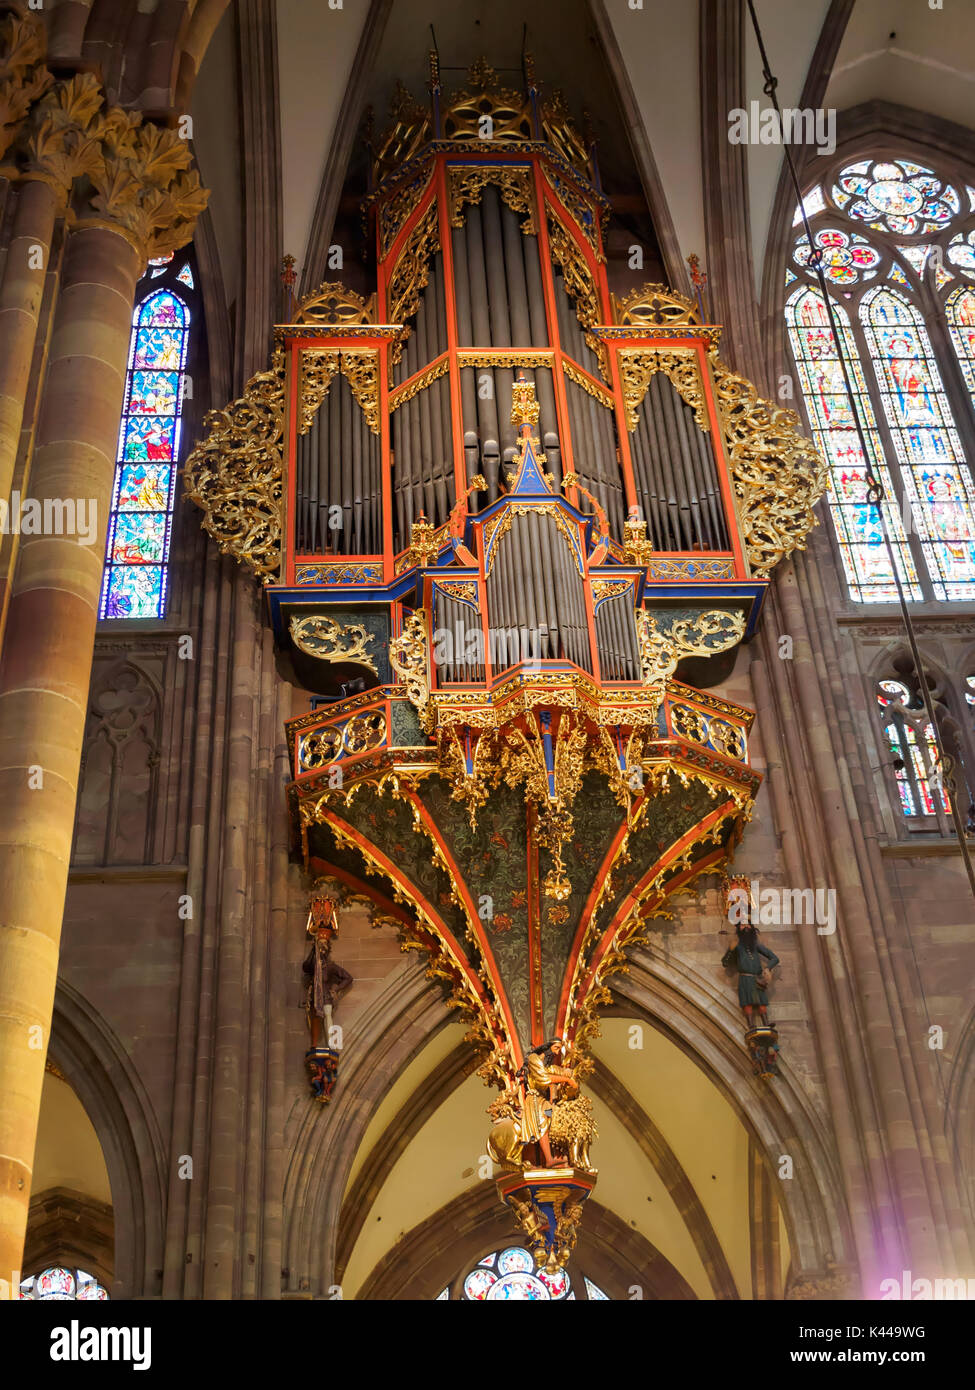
68 1153
895 50
888 50
688 1200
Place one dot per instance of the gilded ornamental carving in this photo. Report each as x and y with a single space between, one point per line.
235 473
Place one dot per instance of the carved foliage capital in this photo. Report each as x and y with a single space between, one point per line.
23 76
143 183
62 143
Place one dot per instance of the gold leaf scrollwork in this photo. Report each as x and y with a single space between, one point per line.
364 731
395 209
778 474
409 659
359 366
412 272
639 365
419 383
318 367
468 181
235 473
585 215
319 749
704 634
578 278
658 658
464 111
505 357
654 306
322 637
584 380
333 303
682 570
708 632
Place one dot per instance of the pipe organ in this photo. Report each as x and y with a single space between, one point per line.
502 515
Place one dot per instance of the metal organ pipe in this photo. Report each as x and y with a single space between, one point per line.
357 537
498 303
514 261
680 458
709 468
487 414
306 456
616 639
658 455
330 495
345 404
661 424
676 473
549 642
400 462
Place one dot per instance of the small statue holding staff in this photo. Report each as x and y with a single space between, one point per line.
325 980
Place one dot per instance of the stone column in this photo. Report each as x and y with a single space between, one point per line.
58 148
142 203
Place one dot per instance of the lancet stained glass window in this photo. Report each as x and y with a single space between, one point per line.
936 480
140 525
865 558
910 230
914 753
960 312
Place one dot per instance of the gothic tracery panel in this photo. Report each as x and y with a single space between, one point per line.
115 799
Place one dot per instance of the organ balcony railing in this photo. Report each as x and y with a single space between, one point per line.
353 737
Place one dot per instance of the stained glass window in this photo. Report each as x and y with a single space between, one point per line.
960 313
864 555
914 753
847 258
59 1284
812 203
936 479
961 253
896 196
920 242
135 580
916 256
513 1273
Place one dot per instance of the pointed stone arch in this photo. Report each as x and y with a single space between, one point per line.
428 1257
398 1024
98 1069
779 1116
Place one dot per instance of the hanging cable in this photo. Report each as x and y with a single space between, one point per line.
875 488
